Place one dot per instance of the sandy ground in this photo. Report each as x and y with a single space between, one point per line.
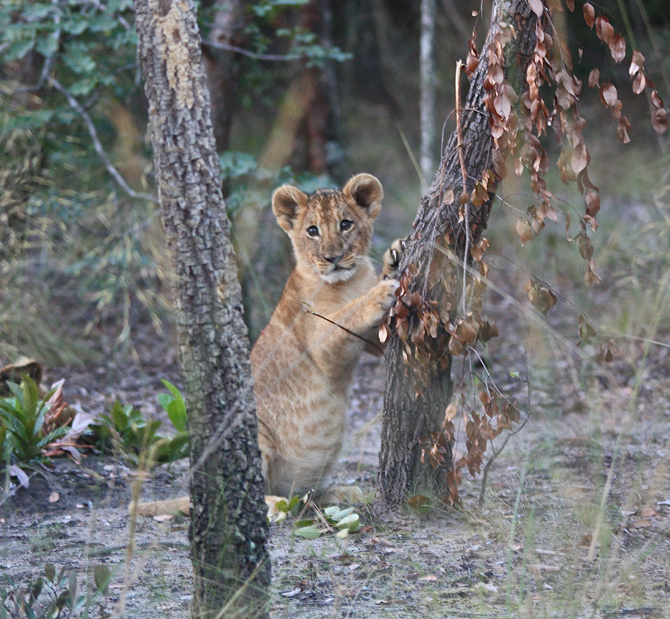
525 553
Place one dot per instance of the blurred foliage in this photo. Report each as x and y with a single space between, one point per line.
79 255
55 595
70 237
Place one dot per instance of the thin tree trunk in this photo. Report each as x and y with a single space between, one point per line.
428 80
228 524
416 396
223 66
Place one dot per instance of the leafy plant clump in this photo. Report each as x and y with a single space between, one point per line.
25 428
332 519
54 595
126 431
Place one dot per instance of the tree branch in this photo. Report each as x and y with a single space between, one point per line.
114 173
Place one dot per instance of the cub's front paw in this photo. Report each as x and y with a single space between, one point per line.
383 296
392 257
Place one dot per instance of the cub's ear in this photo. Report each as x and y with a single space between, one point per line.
286 201
366 191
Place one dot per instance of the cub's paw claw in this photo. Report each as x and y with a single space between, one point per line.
392 258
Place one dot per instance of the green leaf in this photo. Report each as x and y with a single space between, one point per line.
52 436
304 523
36 588
351 523
119 417
76 57
38 10
50 572
103 22
47 45
292 503
75 25
234 165
102 576
343 513
175 406
332 510
310 532
72 586
83 87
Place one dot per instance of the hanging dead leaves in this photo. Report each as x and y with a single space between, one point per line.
498 415
587 334
540 295
428 328
518 120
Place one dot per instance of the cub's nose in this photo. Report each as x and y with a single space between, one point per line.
334 259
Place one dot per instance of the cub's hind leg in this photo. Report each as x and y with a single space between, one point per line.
348 495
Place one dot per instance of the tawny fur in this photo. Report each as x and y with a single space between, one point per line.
303 364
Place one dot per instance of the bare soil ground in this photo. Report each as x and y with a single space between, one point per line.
590 472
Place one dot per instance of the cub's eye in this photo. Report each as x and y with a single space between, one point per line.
312 232
346 224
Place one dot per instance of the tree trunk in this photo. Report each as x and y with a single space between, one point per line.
223 66
416 395
228 523
427 70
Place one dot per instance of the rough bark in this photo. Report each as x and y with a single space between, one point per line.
228 524
414 403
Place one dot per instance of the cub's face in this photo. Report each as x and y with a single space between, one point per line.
330 230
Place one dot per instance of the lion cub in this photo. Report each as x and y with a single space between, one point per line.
302 363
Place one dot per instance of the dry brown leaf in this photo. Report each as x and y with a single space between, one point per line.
384 333
639 83
571 5
54 497
622 130
418 500
524 230
659 121
451 412
604 30
593 201
618 48
656 99
580 158
594 78
641 524
537 6
636 63
589 14
608 94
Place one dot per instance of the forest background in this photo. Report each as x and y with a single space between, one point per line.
310 93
